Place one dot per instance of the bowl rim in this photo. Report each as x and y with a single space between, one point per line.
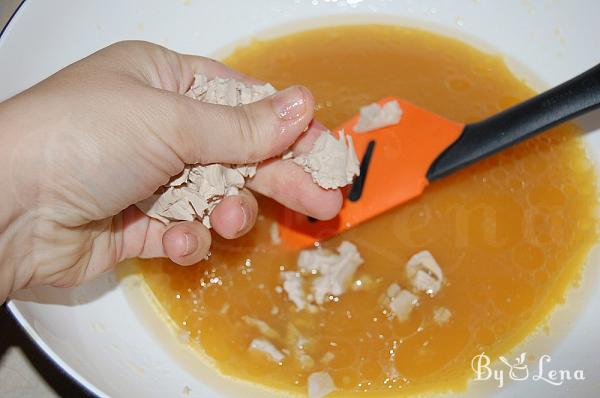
11 308
41 347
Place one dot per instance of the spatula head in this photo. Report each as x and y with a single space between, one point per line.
401 154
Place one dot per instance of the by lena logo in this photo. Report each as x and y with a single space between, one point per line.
519 370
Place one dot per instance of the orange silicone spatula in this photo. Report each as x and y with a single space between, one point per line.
399 161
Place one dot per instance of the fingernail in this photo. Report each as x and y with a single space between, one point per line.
290 103
244 219
191 244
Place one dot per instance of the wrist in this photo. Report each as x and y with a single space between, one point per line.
8 218
12 211
7 265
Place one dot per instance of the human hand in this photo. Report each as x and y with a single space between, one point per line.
82 146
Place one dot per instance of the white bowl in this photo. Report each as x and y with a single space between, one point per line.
111 346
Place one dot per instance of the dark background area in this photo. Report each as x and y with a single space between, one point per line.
13 337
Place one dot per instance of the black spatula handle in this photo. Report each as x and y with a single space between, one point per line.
478 140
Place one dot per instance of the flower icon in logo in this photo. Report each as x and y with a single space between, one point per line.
519 370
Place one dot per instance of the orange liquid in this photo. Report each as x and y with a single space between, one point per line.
510 233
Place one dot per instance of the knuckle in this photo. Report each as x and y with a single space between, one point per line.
209 60
167 116
255 132
246 127
126 46
178 113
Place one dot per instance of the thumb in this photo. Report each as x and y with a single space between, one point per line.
209 133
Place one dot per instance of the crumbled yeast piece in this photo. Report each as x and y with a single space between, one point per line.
230 92
261 326
296 343
306 362
327 357
391 372
335 270
375 116
320 384
331 162
184 337
401 302
294 287
424 273
195 192
266 347
224 309
287 155
274 233
333 273
393 290
441 315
